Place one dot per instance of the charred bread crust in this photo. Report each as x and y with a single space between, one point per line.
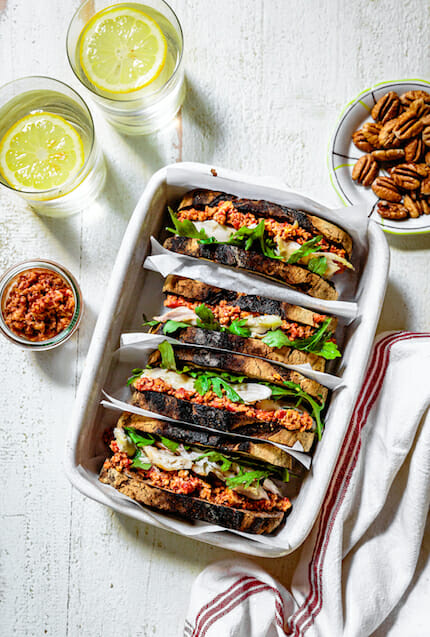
250 346
292 275
253 368
198 291
136 487
261 208
221 442
219 419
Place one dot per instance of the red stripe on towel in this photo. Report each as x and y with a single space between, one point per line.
305 616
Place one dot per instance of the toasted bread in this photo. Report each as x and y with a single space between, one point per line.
223 443
260 208
219 419
253 368
293 275
136 487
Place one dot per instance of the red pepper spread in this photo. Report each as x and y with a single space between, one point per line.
38 305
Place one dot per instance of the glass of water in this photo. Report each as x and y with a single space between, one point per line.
48 151
129 56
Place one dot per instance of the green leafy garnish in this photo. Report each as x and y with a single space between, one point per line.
237 327
206 318
318 265
138 439
247 478
167 355
186 228
216 381
136 373
307 248
215 456
170 327
141 462
150 323
170 444
293 389
318 343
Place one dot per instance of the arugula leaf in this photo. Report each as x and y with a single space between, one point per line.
150 323
136 373
305 249
318 265
237 327
207 319
186 228
170 444
329 351
245 237
216 381
318 343
170 327
167 355
138 439
215 456
247 478
140 462
292 389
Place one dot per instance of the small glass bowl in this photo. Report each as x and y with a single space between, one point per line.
70 280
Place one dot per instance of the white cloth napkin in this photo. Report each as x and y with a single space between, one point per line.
362 553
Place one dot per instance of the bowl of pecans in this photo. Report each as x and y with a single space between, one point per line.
380 155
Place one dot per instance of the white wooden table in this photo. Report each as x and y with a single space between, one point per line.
266 82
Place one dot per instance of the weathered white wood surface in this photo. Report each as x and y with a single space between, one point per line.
266 82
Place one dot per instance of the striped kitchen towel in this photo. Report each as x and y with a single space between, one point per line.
357 568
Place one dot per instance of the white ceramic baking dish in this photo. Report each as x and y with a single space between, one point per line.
122 311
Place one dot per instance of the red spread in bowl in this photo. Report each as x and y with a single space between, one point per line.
38 304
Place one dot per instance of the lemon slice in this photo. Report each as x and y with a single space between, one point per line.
41 151
122 50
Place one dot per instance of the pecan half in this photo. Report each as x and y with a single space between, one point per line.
386 108
416 206
414 150
407 125
365 170
387 138
427 157
425 186
371 132
410 96
361 142
385 188
408 176
394 211
426 136
420 107
388 154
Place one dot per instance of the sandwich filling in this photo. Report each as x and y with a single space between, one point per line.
223 223
273 330
200 472
281 405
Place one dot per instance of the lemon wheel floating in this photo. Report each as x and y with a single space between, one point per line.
122 50
41 151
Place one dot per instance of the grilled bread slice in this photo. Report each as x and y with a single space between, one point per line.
293 275
249 346
221 442
199 199
253 368
131 484
203 415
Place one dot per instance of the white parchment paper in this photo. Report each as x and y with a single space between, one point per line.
166 262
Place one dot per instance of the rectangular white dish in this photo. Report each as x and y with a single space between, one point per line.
122 311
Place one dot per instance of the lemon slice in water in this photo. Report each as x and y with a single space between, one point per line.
122 50
41 151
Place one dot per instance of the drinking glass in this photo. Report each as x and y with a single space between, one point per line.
143 110
28 101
